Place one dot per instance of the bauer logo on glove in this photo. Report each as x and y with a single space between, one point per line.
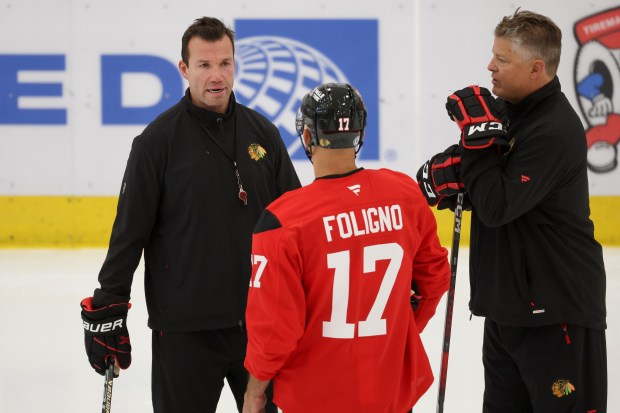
103 328
478 114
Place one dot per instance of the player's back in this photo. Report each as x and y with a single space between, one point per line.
356 237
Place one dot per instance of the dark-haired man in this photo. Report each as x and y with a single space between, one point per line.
196 182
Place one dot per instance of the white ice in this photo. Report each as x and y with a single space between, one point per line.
44 366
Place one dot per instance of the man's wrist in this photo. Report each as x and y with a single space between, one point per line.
256 387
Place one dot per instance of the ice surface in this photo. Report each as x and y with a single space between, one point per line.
44 366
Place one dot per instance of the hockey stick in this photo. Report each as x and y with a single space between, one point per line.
106 406
454 257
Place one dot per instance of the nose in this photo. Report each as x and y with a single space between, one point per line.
492 66
216 76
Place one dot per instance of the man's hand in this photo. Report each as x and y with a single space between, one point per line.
450 203
440 177
254 403
106 335
479 116
254 399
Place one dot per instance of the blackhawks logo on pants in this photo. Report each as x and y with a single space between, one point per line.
562 388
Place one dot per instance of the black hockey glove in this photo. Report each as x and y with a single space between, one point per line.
479 116
449 202
106 334
440 177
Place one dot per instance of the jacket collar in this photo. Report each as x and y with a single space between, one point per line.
209 117
521 109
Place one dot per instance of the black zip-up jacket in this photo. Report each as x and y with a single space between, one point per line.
533 257
179 202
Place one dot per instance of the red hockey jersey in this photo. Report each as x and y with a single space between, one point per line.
329 317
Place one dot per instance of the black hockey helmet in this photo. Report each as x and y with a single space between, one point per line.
335 114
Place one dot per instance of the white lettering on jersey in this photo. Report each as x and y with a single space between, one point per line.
261 260
364 221
375 324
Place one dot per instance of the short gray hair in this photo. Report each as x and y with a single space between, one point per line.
533 36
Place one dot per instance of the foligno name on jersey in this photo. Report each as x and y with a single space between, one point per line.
362 222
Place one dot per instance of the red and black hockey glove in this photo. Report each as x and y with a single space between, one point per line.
440 177
479 116
106 334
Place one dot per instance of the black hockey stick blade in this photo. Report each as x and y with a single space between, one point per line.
106 406
454 257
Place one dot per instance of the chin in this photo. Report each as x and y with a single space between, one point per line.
498 93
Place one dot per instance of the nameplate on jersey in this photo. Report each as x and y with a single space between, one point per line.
362 222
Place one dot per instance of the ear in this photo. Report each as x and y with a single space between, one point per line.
538 69
307 137
183 69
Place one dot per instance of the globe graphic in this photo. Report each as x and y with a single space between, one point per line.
274 73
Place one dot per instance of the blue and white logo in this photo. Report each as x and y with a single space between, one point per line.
273 74
279 61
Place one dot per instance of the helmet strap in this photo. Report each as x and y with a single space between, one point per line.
306 148
359 146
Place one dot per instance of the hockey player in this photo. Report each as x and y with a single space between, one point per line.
329 316
536 271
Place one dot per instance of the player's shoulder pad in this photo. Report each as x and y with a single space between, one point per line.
267 222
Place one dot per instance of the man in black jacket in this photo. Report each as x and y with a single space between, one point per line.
536 271
196 182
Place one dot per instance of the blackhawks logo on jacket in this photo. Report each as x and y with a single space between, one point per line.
256 151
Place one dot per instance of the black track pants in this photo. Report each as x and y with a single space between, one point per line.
189 369
549 369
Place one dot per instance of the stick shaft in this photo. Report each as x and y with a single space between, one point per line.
454 257
106 406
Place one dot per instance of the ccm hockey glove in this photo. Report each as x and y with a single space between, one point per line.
450 203
440 177
479 116
106 334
